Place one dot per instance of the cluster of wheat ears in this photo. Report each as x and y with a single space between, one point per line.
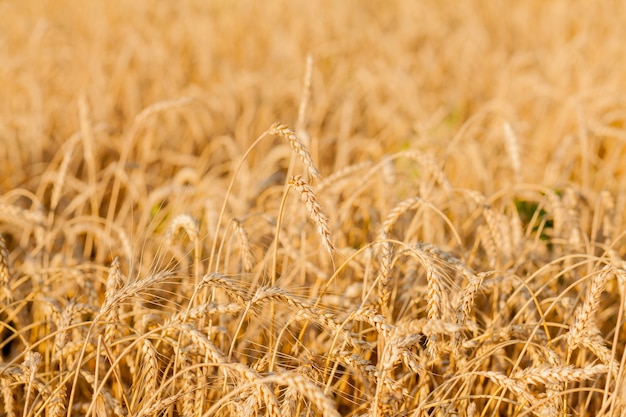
193 257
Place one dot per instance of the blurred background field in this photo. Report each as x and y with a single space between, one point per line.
385 73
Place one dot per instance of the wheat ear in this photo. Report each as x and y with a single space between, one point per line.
387 249
5 273
585 313
7 397
314 209
544 375
512 149
31 362
150 369
297 145
191 227
114 283
58 400
247 258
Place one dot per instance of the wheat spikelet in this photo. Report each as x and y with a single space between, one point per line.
314 209
297 145
436 300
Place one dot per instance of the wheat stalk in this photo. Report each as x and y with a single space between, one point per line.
304 101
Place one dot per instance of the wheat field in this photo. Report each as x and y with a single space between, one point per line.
329 208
